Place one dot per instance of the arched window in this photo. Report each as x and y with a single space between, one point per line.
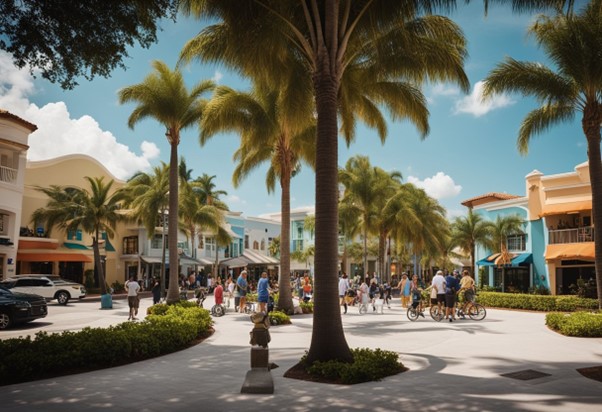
262 244
255 245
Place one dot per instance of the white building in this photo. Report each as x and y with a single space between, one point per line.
14 135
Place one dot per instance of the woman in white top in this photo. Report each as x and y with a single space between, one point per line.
343 287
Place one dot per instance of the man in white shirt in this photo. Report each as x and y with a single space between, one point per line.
133 288
343 287
438 284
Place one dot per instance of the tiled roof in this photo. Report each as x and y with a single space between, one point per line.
7 115
493 196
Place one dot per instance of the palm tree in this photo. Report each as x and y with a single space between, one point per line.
367 189
206 188
147 197
468 232
573 42
95 211
349 228
323 38
274 247
271 131
163 96
499 230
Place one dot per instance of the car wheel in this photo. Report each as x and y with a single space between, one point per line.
5 320
62 298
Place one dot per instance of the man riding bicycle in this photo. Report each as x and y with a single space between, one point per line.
467 285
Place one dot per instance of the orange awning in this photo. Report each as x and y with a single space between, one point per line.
570 251
54 257
567 207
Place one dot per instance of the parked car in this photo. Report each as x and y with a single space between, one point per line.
18 308
50 287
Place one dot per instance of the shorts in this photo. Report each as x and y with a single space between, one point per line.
469 295
242 293
133 302
434 301
415 304
440 298
450 300
262 299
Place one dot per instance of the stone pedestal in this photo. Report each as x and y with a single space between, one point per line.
259 379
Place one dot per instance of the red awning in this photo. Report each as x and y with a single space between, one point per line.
53 257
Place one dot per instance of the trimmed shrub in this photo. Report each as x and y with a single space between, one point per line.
536 302
582 324
307 307
279 318
165 330
368 365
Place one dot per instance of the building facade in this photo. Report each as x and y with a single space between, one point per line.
556 249
14 136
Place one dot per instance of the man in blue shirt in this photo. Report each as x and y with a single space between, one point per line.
452 286
263 292
241 287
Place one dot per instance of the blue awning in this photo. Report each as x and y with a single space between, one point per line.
522 259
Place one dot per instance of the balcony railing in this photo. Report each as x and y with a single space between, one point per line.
575 235
8 174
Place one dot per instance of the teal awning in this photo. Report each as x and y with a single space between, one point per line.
79 246
522 259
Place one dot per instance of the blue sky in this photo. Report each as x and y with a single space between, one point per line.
470 150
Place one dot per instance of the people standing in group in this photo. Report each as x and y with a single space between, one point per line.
404 290
263 292
156 291
438 285
307 289
451 288
343 288
297 286
133 288
242 287
467 285
416 294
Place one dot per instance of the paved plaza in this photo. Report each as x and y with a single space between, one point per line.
453 366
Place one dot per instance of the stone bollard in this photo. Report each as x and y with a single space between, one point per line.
259 379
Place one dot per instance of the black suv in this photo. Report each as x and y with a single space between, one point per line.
20 308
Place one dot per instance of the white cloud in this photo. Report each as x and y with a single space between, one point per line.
475 105
440 186
217 76
235 199
453 213
58 134
444 90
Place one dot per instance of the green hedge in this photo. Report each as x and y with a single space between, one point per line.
307 307
279 318
536 302
368 365
167 329
583 324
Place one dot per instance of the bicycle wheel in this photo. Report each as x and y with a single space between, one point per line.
477 312
363 309
436 314
412 314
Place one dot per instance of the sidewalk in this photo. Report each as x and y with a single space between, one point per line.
453 366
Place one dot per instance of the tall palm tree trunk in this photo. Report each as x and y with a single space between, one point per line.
365 261
285 298
162 274
328 338
173 292
382 246
591 127
98 265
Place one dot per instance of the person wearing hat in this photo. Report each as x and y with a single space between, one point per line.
241 287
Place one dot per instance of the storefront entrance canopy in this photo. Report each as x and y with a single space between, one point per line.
521 259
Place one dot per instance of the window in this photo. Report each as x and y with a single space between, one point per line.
516 242
130 245
156 241
209 244
3 224
255 245
246 241
262 244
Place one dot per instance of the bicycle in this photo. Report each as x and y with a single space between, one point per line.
437 313
414 312
475 311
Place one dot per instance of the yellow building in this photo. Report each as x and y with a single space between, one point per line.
60 253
